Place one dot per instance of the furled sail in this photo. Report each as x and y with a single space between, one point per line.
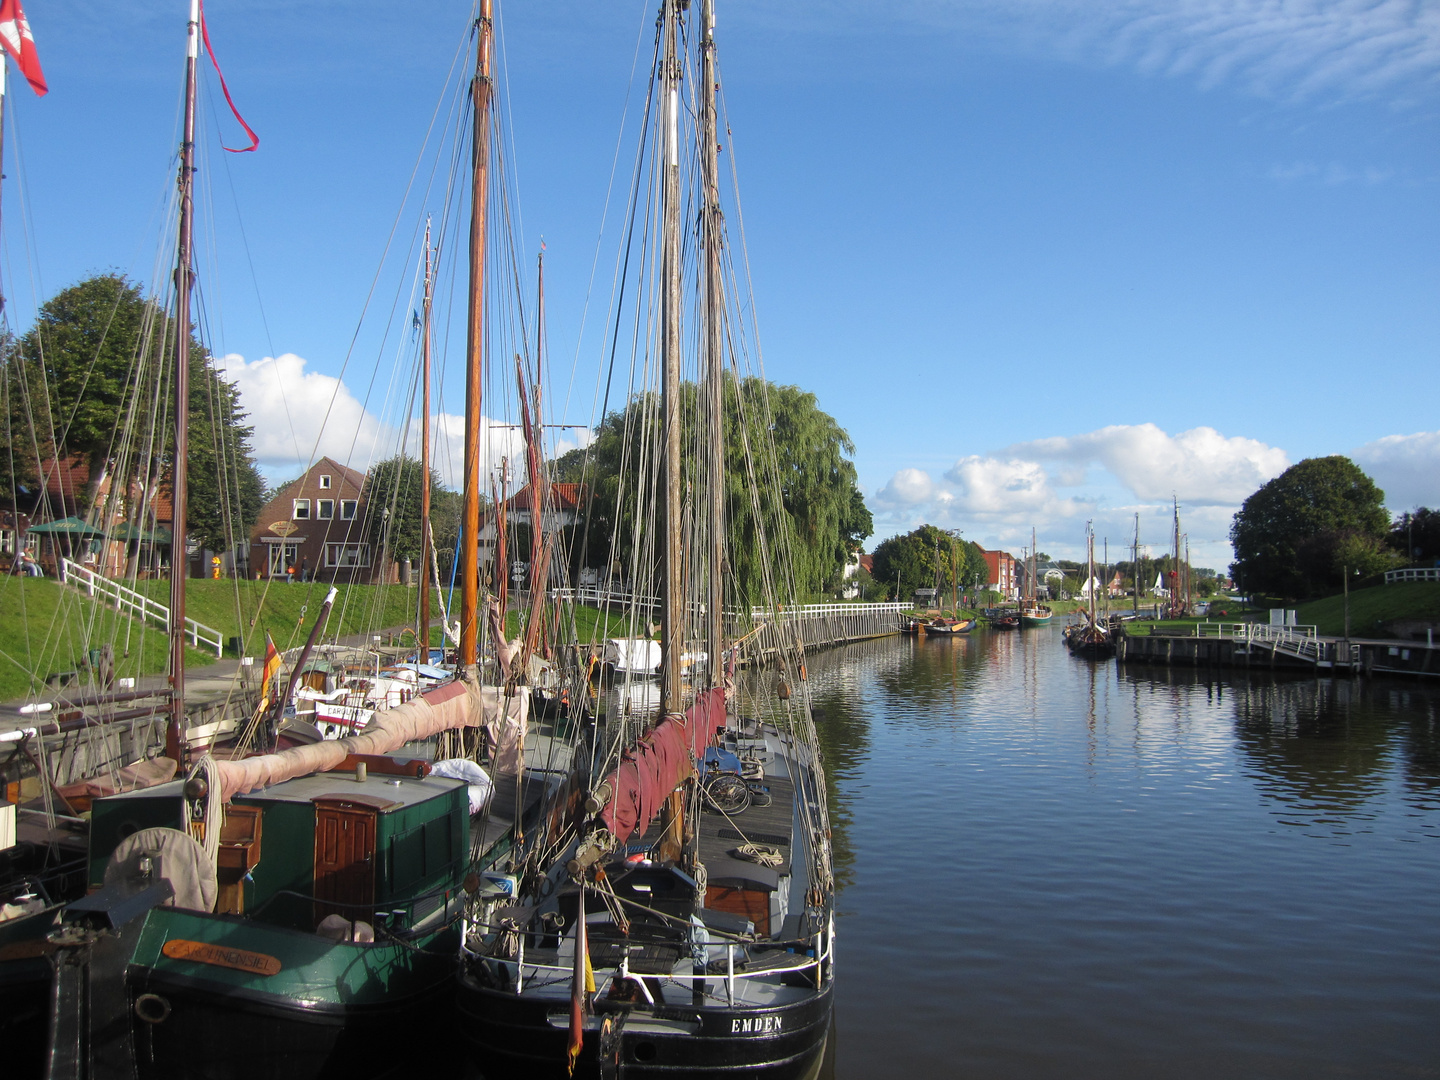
658 763
455 705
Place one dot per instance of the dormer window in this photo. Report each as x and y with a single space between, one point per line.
325 481
302 510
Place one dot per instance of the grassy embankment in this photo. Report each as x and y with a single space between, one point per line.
46 629
1371 609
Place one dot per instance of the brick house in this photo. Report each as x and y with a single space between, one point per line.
1003 575
315 526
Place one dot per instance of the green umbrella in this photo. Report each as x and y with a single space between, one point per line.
70 526
127 531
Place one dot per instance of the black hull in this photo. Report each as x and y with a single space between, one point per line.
213 1036
512 1038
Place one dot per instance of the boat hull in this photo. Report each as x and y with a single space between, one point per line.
513 1037
333 1009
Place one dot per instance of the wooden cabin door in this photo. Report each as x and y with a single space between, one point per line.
344 858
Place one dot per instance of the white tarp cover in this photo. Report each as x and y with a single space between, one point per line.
481 786
639 656
446 708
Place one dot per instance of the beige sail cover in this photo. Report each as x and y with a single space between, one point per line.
446 708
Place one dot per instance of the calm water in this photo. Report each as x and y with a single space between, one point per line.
1058 869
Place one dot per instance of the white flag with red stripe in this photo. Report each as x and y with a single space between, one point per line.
15 36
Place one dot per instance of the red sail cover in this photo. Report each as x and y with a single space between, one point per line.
648 773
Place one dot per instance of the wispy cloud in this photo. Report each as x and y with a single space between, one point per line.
1333 173
1277 48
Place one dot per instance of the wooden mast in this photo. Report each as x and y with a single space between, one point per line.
480 94
672 625
175 729
711 233
425 539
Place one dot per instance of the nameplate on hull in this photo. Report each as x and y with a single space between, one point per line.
202 952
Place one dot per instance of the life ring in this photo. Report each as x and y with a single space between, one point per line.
152 1008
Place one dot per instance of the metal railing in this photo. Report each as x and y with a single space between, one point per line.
1413 573
138 605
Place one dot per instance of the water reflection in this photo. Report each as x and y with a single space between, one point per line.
1057 868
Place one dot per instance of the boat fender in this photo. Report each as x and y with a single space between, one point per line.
152 1008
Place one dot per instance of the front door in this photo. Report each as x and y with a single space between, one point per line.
344 859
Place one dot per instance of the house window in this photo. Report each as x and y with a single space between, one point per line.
325 482
7 542
324 509
302 510
347 555
283 558
347 509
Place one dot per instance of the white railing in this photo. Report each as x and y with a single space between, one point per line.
1413 573
590 594
138 605
822 948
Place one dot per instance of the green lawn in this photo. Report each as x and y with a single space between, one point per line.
1372 608
46 629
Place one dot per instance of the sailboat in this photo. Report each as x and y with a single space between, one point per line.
673 912
1090 637
1032 612
289 914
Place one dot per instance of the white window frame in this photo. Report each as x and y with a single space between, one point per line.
352 505
296 509
324 481
335 555
324 509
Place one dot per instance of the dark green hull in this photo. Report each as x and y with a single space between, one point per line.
333 1009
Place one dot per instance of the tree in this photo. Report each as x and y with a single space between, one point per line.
1287 534
393 492
923 558
1416 535
790 489
83 384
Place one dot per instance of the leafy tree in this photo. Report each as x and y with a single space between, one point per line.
1286 535
84 383
924 557
789 488
393 492
1416 535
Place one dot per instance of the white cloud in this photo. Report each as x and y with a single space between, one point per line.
1200 467
1407 467
301 415
1008 488
908 487
1105 476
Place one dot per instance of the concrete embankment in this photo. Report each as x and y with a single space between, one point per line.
1334 656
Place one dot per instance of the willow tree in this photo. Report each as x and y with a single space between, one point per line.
790 487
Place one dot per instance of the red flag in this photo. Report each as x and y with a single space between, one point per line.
205 34
15 36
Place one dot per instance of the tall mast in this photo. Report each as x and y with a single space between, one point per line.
1135 564
480 94
3 63
711 233
425 542
672 628
175 730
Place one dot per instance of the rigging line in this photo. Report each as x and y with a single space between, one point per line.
462 49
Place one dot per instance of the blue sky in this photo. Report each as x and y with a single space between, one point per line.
1046 261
